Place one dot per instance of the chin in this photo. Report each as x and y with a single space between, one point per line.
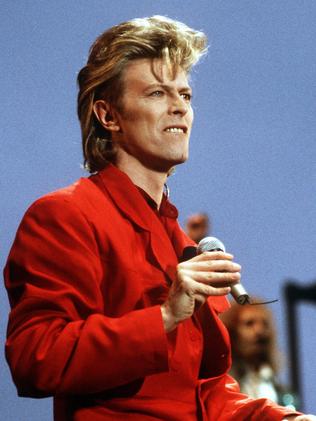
181 157
166 164
176 162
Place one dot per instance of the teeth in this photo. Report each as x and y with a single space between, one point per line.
175 130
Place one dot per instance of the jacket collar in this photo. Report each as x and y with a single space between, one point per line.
133 205
129 199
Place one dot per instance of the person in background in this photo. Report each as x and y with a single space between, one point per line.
104 317
198 226
255 358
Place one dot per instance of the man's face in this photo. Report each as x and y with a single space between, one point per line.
254 332
197 227
155 118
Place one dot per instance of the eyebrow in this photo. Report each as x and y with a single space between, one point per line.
167 87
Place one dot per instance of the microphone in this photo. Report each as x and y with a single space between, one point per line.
214 244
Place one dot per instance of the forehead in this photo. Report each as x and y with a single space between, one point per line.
142 72
254 313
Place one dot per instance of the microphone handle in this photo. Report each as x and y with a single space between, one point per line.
239 294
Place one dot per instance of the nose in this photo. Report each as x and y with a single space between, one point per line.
260 328
178 105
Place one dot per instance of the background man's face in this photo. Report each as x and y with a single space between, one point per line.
254 332
156 117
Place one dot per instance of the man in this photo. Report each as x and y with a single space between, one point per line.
254 353
103 317
197 226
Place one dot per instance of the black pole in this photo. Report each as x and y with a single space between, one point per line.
294 293
292 337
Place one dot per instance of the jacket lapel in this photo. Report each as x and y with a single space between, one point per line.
133 205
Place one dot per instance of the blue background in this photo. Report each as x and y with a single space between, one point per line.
252 162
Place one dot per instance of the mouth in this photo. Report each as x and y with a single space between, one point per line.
262 341
176 129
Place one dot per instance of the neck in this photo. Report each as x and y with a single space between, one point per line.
257 363
148 179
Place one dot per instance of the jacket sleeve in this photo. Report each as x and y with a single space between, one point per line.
223 401
59 341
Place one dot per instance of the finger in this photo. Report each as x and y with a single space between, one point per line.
190 286
212 255
196 289
215 279
199 300
213 265
211 291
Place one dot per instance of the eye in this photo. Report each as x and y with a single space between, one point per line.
186 96
157 93
249 323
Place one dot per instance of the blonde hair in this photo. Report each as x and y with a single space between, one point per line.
156 37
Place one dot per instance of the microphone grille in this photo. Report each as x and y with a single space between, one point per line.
210 244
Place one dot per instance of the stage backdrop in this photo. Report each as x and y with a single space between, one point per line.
253 147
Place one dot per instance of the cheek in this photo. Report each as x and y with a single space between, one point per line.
189 122
148 119
191 115
245 336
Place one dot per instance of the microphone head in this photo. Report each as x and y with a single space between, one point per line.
210 244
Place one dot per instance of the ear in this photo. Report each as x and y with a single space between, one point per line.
106 115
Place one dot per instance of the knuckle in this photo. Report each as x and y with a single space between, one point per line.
180 271
210 277
185 285
207 290
180 267
210 264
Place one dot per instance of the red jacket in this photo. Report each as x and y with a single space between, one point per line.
86 275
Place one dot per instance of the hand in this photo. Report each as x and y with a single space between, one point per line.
304 417
210 273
